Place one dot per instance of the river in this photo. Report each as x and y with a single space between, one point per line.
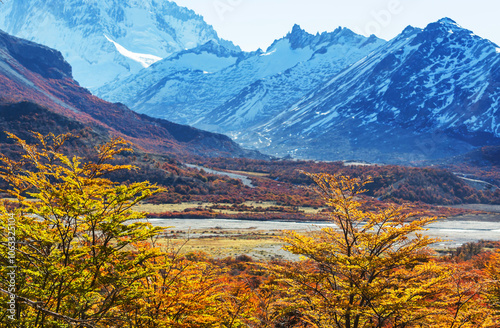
453 233
244 179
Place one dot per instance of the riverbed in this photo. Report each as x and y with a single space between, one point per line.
243 178
453 233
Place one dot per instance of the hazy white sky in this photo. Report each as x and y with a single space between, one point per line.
256 23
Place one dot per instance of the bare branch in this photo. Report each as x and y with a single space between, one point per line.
36 306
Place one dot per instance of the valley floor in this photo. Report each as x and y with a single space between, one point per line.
261 239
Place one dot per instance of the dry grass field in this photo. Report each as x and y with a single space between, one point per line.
161 208
262 245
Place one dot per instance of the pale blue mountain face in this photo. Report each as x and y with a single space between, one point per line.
107 39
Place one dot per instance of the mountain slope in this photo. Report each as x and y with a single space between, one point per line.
178 87
189 93
104 39
426 94
39 75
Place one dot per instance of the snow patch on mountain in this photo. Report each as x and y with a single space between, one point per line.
144 59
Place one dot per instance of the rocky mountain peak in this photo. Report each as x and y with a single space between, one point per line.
444 27
448 22
299 38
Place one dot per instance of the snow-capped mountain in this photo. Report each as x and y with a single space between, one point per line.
267 97
426 94
106 39
222 90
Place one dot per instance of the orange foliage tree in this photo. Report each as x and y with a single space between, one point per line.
373 269
76 254
493 272
82 257
188 291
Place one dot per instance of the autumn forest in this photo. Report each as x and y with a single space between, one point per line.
82 256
